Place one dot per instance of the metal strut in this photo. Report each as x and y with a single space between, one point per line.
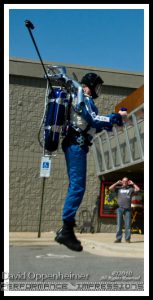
30 27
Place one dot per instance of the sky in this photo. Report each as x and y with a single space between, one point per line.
98 37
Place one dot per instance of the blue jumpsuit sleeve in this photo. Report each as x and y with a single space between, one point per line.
99 122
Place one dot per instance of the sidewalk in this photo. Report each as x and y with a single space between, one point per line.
96 243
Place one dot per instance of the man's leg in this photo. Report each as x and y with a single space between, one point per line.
76 160
119 224
76 169
127 224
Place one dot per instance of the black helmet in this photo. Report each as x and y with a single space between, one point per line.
94 82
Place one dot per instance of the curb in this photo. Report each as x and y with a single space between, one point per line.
101 244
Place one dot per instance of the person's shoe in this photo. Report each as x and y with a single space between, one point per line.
117 241
128 241
66 236
72 231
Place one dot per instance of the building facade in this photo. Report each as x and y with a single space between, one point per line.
35 204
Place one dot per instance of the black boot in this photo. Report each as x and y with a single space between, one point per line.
66 236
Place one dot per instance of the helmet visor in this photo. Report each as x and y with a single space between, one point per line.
98 89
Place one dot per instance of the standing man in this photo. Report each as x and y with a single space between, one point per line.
84 122
124 189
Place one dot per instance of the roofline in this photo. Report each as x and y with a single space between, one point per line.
117 78
118 71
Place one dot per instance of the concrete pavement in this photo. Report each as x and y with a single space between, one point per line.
95 243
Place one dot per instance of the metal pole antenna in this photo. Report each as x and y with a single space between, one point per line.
30 27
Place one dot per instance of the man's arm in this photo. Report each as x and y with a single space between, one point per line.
136 188
97 121
113 186
90 116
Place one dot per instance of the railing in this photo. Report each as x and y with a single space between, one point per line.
122 147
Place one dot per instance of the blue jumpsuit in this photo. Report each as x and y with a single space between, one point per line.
75 146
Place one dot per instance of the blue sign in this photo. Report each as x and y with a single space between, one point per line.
45 165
